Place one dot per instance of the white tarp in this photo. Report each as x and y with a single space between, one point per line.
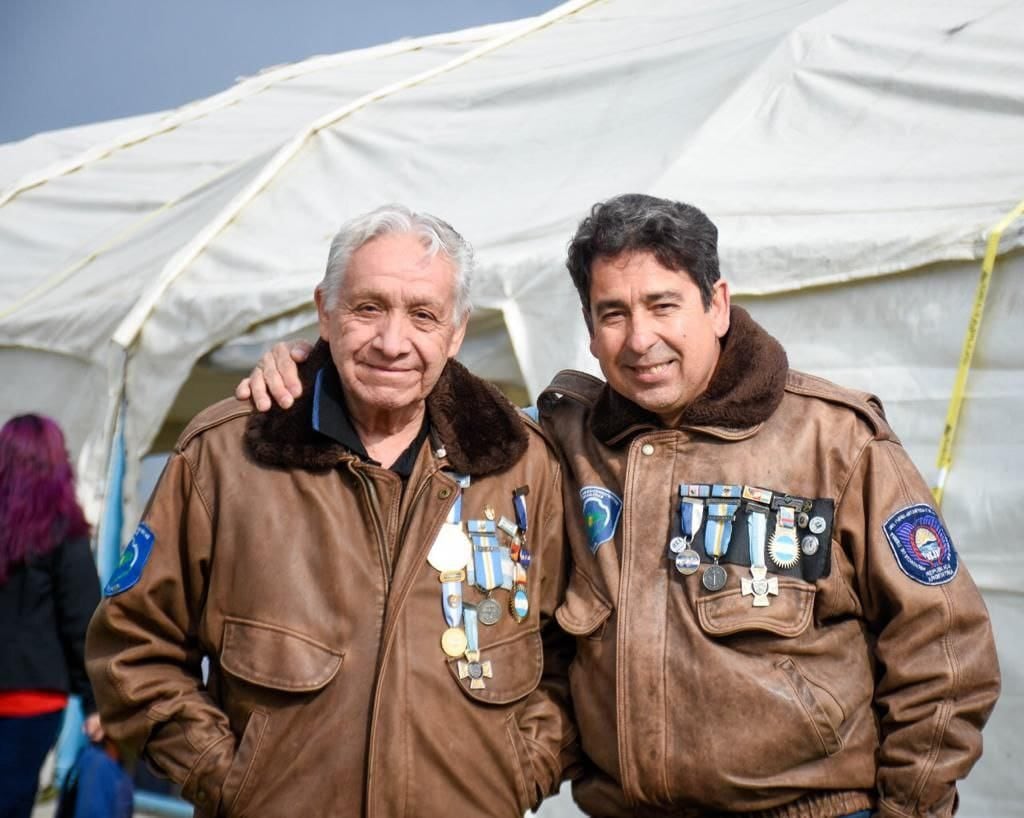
855 156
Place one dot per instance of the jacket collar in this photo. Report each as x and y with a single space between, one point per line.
480 430
745 390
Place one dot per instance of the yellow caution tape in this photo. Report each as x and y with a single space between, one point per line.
956 400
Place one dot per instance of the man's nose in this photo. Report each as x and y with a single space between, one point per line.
392 337
641 335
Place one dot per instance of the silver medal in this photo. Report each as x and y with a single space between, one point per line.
817 525
676 545
809 545
488 611
714 577
687 561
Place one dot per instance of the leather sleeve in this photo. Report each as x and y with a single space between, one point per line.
143 654
937 672
77 593
546 721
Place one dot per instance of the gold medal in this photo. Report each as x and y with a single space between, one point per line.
454 642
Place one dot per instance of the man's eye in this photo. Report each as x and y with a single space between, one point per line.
424 315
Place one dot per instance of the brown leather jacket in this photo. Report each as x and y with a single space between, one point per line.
301 572
857 686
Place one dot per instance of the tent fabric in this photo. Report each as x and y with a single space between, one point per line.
854 154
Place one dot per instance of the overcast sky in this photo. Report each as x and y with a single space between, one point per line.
71 62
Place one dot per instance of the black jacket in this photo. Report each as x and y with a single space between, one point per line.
45 607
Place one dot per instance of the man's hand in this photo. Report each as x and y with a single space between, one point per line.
275 379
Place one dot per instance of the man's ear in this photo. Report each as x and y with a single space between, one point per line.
458 337
323 318
719 308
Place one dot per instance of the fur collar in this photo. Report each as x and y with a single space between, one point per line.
481 431
745 390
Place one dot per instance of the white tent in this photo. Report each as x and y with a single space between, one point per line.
857 157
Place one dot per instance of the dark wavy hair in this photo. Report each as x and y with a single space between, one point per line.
38 509
680 236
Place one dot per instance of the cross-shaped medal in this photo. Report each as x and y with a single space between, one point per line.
760 586
476 671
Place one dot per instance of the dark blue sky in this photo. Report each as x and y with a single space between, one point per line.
70 62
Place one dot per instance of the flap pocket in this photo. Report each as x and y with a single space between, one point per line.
584 609
787 614
272 656
507 670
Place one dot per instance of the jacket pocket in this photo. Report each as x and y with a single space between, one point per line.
233 791
511 669
821 708
275 657
788 614
585 611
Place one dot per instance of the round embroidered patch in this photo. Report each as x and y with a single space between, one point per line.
921 545
133 560
601 509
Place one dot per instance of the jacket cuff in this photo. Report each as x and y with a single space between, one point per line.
206 778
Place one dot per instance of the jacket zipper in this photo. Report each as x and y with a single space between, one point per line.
373 505
421 489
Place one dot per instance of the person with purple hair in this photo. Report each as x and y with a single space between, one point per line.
48 591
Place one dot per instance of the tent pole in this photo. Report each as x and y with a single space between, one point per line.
108 551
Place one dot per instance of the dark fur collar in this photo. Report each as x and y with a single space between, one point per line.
481 431
746 388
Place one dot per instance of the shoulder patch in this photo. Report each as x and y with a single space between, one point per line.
601 510
133 560
922 548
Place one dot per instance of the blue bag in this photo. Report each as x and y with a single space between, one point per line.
96 787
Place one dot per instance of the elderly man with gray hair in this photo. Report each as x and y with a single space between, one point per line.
372 572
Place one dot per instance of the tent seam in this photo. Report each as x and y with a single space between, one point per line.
130 327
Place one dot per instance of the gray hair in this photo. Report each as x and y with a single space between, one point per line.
436 235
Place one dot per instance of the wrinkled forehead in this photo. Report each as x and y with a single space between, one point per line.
401 267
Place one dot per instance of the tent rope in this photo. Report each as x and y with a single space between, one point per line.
956 400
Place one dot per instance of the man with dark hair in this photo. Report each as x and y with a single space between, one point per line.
771 617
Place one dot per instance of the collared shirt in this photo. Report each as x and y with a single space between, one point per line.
331 418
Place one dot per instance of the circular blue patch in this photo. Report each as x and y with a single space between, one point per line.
133 560
601 510
921 545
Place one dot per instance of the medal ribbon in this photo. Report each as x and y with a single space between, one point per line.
519 502
694 490
726 490
757 531
487 568
451 590
718 530
472 631
691 515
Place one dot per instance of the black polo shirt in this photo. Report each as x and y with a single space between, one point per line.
331 418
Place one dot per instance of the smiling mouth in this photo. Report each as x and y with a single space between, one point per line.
653 369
